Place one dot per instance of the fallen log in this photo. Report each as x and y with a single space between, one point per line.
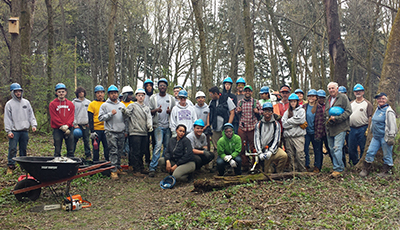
220 182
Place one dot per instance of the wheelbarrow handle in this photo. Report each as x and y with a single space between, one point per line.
93 167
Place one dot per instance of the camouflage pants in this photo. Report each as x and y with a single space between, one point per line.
115 142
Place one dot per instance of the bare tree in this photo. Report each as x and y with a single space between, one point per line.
111 42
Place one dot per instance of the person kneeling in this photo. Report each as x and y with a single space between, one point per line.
178 158
229 147
266 141
199 145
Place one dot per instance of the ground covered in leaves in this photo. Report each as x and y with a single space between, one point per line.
315 202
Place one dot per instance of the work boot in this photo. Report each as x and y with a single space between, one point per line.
366 169
316 170
152 173
336 174
121 172
385 170
138 174
10 169
114 176
130 168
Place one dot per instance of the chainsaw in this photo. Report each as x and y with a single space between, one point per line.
71 203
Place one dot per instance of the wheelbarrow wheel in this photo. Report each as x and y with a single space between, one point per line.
31 195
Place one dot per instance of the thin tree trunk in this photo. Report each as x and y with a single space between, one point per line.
248 43
26 31
15 52
111 42
50 52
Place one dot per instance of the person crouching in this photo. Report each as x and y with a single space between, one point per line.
229 147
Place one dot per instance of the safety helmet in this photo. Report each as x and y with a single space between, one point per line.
264 89
168 182
335 111
227 80
127 89
228 125
200 94
99 88
199 122
358 87
78 133
183 93
178 87
15 86
267 105
140 90
60 86
293 96
148 81
162 80
342 89
240 80
321 93
312 92
112 88
120 96
248 87
299 91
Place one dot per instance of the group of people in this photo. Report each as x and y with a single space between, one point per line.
275 130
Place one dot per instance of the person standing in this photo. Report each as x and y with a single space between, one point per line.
81 120
264 94
201 108
161 105
18 117
115 129
337 125
283 105
62 113
360 119
148 86
177 89
240 83
126 99
182 113
97 133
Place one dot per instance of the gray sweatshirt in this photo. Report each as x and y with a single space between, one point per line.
269 135
112 123
18 115
81 114
291 126
182 115
202 112
139 119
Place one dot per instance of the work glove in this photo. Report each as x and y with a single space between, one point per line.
366 132
93 135
150 129
265 156
173 134
64 128
304 125
233 163
227 158
123 110
390 141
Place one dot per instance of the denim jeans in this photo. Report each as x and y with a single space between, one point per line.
21 138
374 146
221 165
58 137
162 136
356 138
101 137
336 147
317 146
86 138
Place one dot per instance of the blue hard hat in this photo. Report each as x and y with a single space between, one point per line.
162 80
60 86
240 80
148 81
228 80
264 89
321 93
267 105
15 86
299 91
312 92
293 96
358 87
99 88
112 88
199 122
183 93
342 89
168 182
335 111
78 133
228 125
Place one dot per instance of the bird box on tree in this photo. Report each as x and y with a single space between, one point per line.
13 25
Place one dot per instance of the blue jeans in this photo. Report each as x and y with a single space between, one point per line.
21 138
317 146
101 137
221 166
356 138
336 146
162 136
374 146
58 137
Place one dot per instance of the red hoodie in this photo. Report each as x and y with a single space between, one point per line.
61 113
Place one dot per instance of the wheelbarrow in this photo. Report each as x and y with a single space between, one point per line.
47 171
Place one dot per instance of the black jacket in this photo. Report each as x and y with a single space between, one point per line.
180 152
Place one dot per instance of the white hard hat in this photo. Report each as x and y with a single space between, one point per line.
127 89
140 91
200 94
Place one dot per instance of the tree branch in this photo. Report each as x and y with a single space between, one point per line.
383 5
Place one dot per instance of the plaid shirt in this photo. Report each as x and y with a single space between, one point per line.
319 122
248 119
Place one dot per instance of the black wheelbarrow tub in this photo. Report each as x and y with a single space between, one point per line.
44 171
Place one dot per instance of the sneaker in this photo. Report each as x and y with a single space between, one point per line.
114 176
121 172
336 174
152 173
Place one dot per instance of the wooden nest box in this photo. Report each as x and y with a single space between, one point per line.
13 25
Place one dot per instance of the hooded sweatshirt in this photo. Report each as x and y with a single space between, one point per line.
61 113
18 114
291 126
139 119
81 108
390 125
269 135
202 112
226 146
112 123
185 115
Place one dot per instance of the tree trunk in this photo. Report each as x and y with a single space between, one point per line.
15 51
50 52
248 43
26 30
111 42
338 55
